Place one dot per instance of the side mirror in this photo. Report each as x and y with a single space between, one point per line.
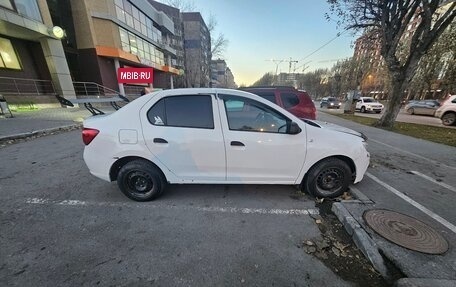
294 129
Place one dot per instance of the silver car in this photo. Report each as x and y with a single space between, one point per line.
425 107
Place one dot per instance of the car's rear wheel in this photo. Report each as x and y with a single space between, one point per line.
363 109
328 178
140 180
411 111
449 119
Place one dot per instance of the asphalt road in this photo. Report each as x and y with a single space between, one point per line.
403 116
414 177
60 226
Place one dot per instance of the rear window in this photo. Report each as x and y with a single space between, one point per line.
289 100
267 95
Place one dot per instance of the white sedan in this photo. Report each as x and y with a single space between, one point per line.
219 136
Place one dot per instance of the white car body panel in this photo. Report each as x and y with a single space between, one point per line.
266 158
190 152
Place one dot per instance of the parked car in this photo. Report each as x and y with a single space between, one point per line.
368 104
219 136
295 101
425 107
447 111
330 103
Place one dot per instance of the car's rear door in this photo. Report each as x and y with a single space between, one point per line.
184 133
258 149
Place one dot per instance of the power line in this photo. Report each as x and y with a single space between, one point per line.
322 46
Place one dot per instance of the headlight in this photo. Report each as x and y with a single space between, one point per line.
332 104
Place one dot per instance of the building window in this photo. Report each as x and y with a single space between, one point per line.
137 20
147 52
28 8
8 57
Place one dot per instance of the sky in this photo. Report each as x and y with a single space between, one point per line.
260 30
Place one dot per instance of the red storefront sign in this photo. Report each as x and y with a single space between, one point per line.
135 75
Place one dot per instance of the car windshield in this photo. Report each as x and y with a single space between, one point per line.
332 99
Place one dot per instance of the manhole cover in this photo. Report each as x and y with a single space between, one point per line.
405 231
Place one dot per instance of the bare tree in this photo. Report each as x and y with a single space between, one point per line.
265 80
389 20
218 42
182 5
436 70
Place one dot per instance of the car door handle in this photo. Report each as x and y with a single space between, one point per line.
159 140
236 143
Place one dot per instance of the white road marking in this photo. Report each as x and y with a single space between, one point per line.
44 201
441 220
413 154
447 186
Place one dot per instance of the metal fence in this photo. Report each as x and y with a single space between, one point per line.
17 86
92 89
33 87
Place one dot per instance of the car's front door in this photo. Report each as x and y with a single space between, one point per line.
184 133
258 147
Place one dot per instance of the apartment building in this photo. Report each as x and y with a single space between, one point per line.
197 46
32 60
176 41
221 75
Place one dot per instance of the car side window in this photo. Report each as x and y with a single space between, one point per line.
268 95
289 100
249 115
183 111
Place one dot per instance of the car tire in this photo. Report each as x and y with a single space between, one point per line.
411 111
140 180
328 178
363 109
449 119
378 112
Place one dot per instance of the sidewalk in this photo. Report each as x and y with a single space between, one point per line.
29 122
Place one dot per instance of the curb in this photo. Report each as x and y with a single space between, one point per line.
38 132
362 240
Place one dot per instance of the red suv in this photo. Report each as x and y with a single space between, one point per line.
295 101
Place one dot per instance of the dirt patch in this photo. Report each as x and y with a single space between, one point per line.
337 251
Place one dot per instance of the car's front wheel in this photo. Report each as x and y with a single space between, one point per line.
140 180
328 178
449 119
363 109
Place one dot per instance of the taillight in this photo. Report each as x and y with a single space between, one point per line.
88 135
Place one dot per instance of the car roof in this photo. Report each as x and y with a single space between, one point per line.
269 87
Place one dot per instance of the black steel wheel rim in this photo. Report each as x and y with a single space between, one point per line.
330 181
139 183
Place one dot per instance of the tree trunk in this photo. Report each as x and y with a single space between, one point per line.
393 106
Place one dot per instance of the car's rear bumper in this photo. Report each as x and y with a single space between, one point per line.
98 166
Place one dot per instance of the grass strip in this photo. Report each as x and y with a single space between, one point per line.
446 136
